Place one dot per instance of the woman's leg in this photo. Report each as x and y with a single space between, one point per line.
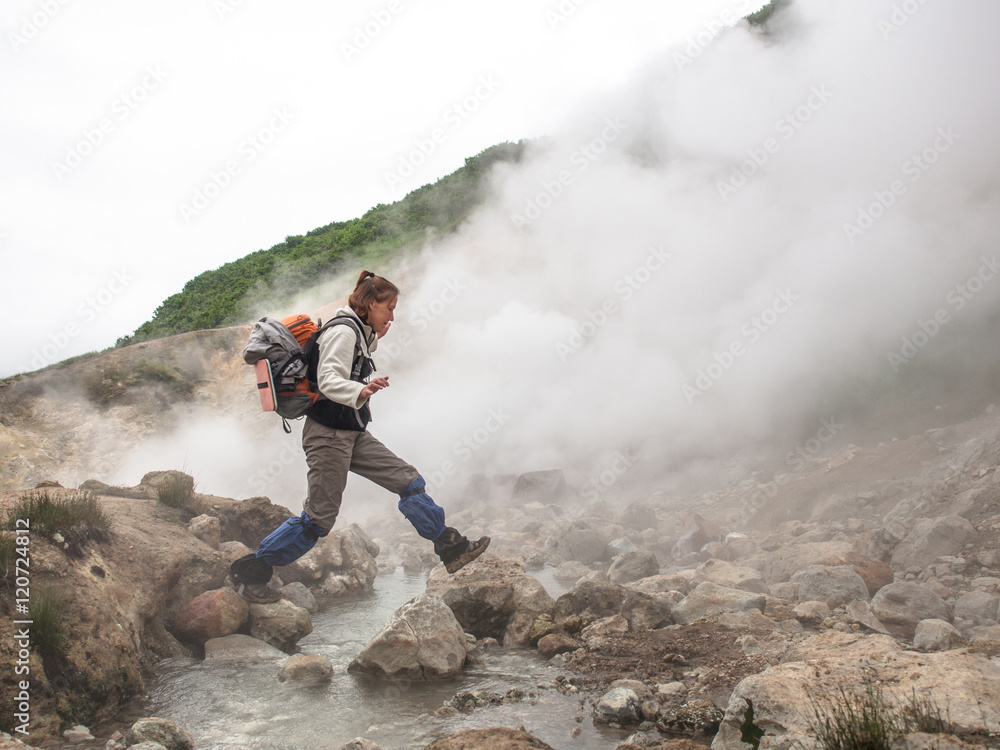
372 460
328 455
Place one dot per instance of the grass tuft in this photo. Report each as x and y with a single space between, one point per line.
47 630
174 493
47 516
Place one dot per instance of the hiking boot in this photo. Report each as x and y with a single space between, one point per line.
258 593
456 551
474 550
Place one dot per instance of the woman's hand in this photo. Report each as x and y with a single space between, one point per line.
373 386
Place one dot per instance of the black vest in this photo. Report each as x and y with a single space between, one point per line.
329 413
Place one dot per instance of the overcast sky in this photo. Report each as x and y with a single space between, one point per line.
143 144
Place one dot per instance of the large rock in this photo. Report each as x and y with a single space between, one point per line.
240 648
638 516
497 738
833 585
936 635
556 643
281 624
341 562
421 641
206 528
662 584
251 520
487 595
731 576
708 600
780 565
633 566
826 663
592 600
905 604
308 668
213 614
584 545
932 538
571 571
167 733
619 705
977 606
540 486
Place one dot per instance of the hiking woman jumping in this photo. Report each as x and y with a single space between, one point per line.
336 440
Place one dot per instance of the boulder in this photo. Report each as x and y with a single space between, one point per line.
977 606
165 732
569 572
781 564
595 634
281 624
496 738
421 641
826 663
540 487
696 533
206 528
240 648
989 634
310 668
695 717
487 595
731 576
360 743
661 584
638 516
860 613
341 562
633 566
936 635
833 585
214 614
906 603
811 612
593 600
234 550
931 538
250 520
556 643
620 705
708 600
299 595
583 545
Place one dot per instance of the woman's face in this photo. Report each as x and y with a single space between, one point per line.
380 316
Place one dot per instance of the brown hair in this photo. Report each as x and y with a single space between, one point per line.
370 288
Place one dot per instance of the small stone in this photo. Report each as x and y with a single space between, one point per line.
306 668
77 735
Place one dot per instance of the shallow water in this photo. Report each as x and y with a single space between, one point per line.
242 705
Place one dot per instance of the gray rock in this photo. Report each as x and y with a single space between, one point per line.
422 641
835 585
556 643
977 606
282 624
487 596
234 550
811 613
860 612
936 635
907 603
826 663
583 545
592 601
310 668
541 486
240 648
147 745
661 584
731 576
341 562
167 733
785 590
708 600
931 538
571 571
206 528
620 705
989 634
633 566
77 735
299 595
639 517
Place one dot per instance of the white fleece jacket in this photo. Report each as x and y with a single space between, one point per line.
336 354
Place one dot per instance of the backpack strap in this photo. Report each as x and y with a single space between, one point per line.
359 354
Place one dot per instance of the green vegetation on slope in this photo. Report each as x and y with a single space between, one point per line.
223 296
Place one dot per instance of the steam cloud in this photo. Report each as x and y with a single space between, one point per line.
695 263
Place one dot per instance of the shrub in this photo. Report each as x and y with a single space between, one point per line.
174 493
47 515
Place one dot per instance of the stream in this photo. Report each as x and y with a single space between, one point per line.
242 705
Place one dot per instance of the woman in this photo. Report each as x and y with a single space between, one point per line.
336 440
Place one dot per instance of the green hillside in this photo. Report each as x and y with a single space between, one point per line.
224 295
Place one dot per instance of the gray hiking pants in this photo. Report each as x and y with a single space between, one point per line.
331 454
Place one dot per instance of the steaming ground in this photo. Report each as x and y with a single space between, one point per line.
693 273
